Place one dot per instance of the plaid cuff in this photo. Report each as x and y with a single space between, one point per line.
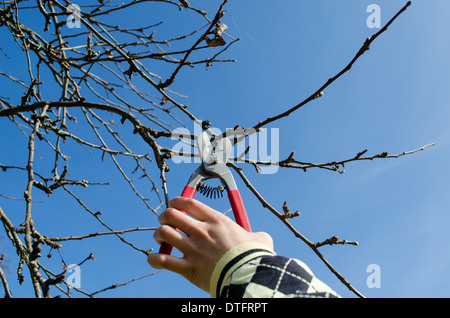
232 260
253 271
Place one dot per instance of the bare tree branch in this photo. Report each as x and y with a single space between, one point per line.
101 77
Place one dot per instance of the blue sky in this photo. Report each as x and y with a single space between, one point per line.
394 99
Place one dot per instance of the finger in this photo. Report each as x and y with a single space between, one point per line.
178 219
169 235
195 208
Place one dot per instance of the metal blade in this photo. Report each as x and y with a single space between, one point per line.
223 149
204 147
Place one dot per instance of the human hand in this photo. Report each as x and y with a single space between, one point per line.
203 240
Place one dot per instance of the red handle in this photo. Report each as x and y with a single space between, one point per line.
188 192
239 210
236 205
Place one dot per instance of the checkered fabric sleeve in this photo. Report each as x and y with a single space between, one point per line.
251 270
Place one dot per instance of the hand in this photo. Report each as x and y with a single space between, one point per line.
205 240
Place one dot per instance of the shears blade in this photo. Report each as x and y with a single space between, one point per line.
222 150
210 155
204 147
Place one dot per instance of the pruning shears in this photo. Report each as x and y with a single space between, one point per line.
213 165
